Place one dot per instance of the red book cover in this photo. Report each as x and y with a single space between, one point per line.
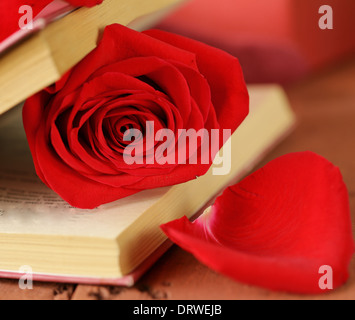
12 34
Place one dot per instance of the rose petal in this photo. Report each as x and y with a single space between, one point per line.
277 227
51 167
122 43
225 85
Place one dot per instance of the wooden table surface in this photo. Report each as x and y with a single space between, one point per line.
325 105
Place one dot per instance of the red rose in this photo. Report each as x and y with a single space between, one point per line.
75 127
9 12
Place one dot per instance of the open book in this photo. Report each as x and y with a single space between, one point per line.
55 45
117 242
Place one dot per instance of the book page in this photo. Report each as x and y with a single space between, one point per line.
28 206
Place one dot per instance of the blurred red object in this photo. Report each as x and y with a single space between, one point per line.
275 40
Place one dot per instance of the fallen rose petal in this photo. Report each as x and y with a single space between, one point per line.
277 227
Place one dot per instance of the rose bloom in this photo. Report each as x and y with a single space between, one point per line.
75 127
